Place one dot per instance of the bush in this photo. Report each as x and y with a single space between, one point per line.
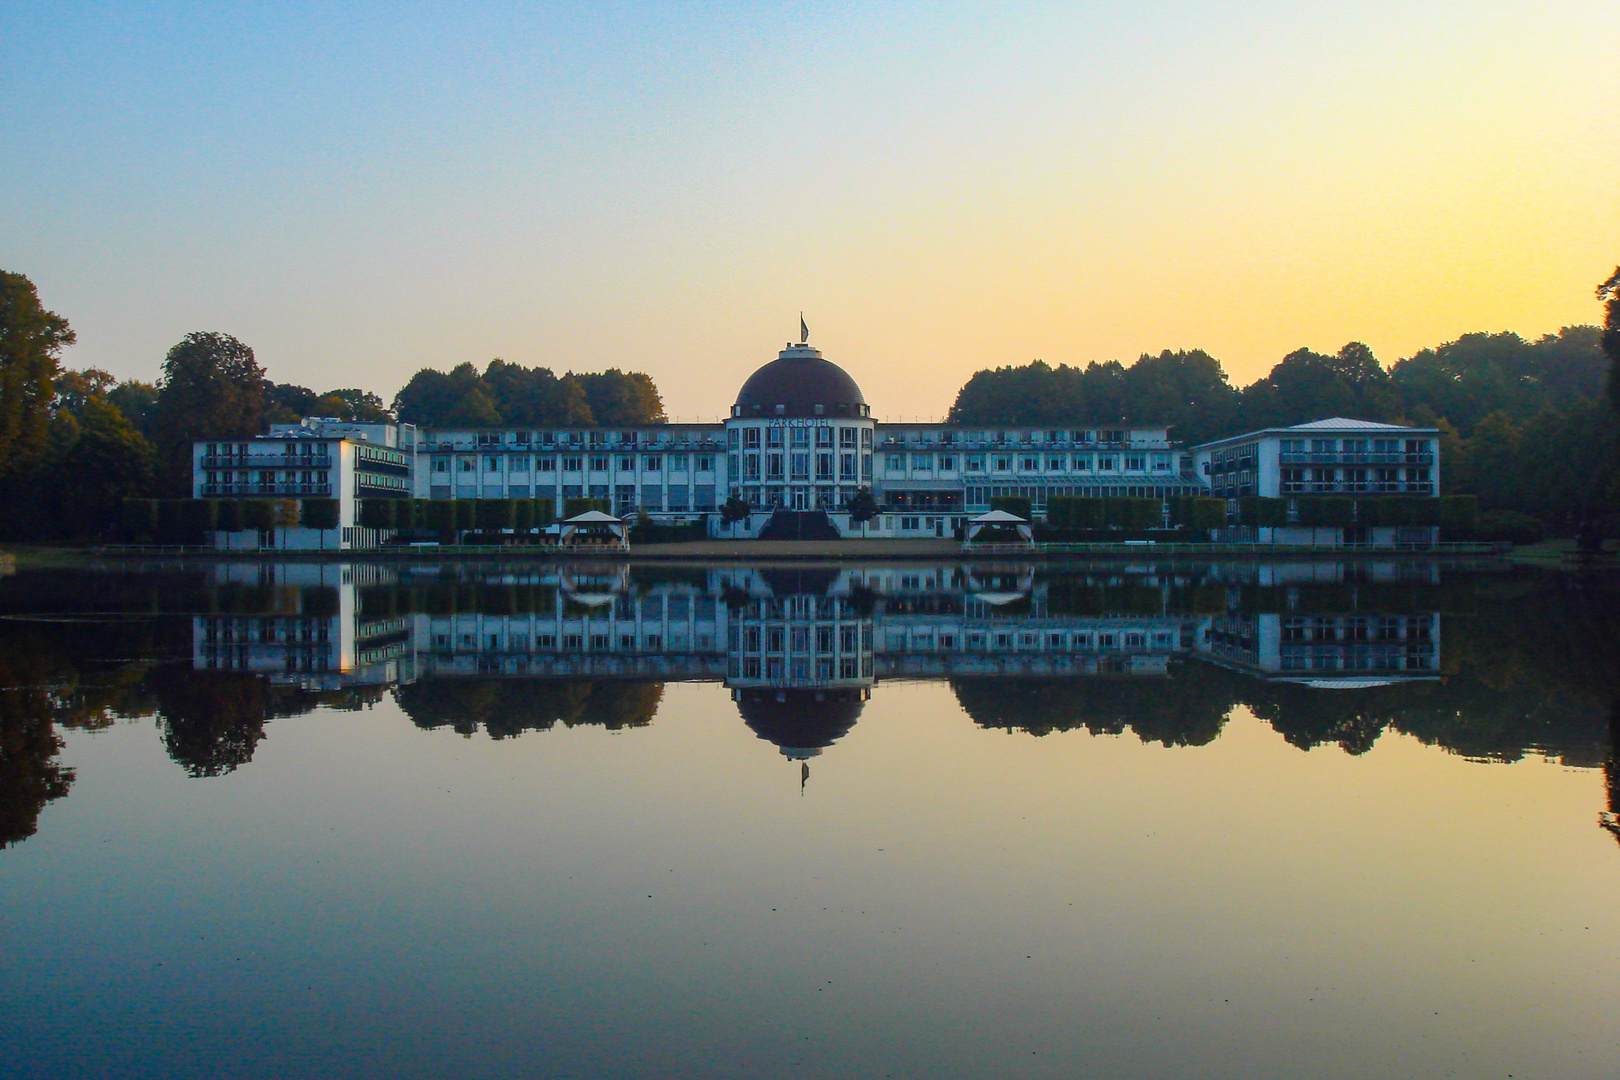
1509 525
1013 504
140 519
494 515
228 516
441 518
258 514
1459 515
1400 510
1120 512
1266 513
1074 512
576 506
1197 512
323 513
1326 511
374 513
656 532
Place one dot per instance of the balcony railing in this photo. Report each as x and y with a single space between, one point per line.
280 461
1344 458
283 490
1349 487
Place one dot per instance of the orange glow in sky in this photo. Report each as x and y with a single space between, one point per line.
938 189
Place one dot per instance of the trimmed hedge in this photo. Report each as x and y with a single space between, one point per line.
1197 512
319 513
1326 511
575 507
380 513
140 519
1013 504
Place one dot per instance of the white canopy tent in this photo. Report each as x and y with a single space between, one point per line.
594 529
999 520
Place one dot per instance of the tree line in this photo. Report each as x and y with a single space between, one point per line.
1524 425
1531 429
75 445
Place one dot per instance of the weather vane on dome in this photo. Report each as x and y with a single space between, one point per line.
804 331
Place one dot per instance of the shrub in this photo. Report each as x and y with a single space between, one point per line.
1459 514
576 506
259 514
1509 525
228 516
494 515
1013 504
1326 511
1197 512
323 513
374 513
140 519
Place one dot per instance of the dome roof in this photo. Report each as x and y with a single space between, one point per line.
800 383
800 722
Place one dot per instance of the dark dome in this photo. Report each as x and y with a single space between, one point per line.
795 383
800 722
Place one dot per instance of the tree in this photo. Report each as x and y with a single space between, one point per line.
862 507
476 409
321 514
734 509
108 463
621 398
354 406
286 403
212 388
1609 293
137 401
31 339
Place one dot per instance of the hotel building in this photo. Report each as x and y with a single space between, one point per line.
800 440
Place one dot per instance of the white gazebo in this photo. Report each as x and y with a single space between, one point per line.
593 530
998 520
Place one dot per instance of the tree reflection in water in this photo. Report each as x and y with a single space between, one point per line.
1527 664
508 707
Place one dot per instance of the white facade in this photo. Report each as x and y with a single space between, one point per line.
808 453
317 458
1355 459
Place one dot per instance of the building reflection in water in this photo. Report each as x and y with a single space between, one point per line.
801 648
1325 653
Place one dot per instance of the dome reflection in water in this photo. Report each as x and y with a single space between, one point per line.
469 815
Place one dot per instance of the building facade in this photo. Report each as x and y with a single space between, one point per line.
1355 460
800 437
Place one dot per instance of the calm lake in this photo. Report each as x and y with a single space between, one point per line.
1305 819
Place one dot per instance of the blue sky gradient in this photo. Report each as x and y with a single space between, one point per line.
360 190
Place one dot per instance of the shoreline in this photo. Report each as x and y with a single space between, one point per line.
702 551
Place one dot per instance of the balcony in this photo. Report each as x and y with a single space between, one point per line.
1355 487
1342 458
279 461
283 491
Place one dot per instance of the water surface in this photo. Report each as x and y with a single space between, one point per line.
1306 819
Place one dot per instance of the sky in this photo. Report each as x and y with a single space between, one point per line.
358 191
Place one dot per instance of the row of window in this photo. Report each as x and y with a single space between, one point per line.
1354 446
1029 463
266 476
1051 640
797 466
752 438
568 642
594 437
521 463
797 669
1077 436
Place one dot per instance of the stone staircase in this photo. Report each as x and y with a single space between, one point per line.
799 525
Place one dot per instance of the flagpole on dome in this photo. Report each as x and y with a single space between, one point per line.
804 331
